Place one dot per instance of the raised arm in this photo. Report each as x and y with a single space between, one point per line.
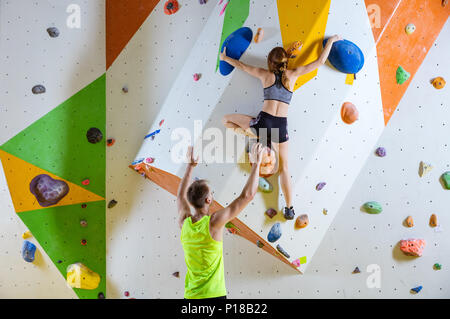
305 69
252 70
223 216
182 202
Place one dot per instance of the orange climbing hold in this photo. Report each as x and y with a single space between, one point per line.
433 220
259 35
409 221
170 7
294 49
438 82
349 113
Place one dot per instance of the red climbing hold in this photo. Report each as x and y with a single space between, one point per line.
126 293
83 242
86 182
170 7
161 122
110 142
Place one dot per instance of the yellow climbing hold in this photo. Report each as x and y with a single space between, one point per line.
80 276
26 234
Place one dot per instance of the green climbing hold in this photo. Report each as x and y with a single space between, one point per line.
402 75
373 208
437 266
264 185
446 179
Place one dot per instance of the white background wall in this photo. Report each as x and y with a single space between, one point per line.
143 248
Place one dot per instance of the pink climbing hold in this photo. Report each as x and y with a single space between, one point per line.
224 7
126 293
161 122
196 77
412 247
149 160
86 182
296 263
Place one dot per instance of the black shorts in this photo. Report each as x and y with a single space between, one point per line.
275 126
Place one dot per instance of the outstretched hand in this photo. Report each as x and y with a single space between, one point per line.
256 154
335 38
190 157
223 54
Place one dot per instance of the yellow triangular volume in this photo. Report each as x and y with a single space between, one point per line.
19 174
303 21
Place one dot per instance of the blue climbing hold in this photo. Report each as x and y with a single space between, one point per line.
28 251
274 233
416 289
236 43
346 56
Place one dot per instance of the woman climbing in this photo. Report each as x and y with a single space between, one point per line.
278 83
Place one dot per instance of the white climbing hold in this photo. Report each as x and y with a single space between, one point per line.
424 168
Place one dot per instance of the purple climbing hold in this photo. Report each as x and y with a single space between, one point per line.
271 212
38 89
202 1
320 186
94 135
356 271
381 152
48 191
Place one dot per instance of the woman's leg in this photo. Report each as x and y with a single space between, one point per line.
240 123
285 179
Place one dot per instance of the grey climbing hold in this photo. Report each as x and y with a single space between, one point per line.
53 32
381 152
112 203
271 212
274 233
38 89
373 208
282 251
259 244
125 89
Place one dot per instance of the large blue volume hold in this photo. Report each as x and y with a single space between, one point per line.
346 56
236 43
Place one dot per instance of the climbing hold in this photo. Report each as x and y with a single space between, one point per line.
325 211
296 263
433 220
412 247
59 261
170 7
438 83
202 1
373 208
26 234
289 213
282 251
349 113
112 203
381 151
409 221
346 56
83 205
125 89
294 50
236 44
28 251
410 28
38 89
161 122
86 182
320 186
84 242
149 160
274 233
126 294
101 295
302 221
224 8
83 223
94 135
356 271
152 134
259 35
264 185
53 32
48 191
196 76
176 274
271 212
266 169
424 168
110 142
259 244
416 289
80 276
402 75
446 179
437 266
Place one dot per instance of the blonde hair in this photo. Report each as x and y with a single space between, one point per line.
277 61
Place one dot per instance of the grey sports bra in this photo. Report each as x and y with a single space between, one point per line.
278 91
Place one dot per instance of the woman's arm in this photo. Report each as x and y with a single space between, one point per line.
253 71
305 69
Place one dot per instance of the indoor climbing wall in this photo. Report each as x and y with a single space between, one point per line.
53 179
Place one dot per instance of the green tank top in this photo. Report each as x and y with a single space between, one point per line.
205 276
